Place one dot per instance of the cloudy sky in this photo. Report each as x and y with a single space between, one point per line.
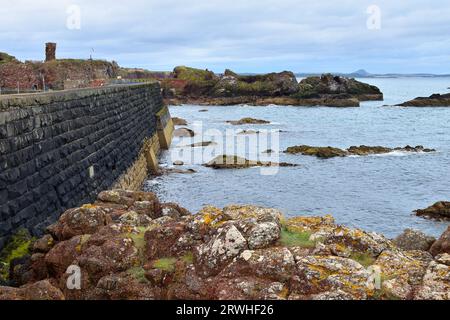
246 35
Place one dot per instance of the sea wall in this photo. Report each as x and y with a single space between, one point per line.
59 150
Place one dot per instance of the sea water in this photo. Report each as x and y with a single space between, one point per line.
375 193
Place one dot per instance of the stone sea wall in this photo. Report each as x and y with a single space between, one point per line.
59 150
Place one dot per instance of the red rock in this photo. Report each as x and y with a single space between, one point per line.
80 221
442 245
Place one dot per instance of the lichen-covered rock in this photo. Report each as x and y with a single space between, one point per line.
436 283
213 256
173 210
402 271
321 274
135 219
118 202
442 245
414 240
354 240
163 239
439 211
276 264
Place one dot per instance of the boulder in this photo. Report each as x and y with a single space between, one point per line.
74 222
224 246
439 211
442 245
414 240
322 274
275 264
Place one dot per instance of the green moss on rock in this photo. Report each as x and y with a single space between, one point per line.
18 246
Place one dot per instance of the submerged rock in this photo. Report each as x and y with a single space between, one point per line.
244 121
179 121
320 152
184 132
330 152
235 162
202 144
435 100
439 211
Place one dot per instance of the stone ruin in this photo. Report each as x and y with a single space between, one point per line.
50 51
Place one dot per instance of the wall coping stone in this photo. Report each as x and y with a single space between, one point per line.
28 100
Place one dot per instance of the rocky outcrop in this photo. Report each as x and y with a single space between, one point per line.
235 162
329 85
330 152
203 87
238 252
438 211
435 100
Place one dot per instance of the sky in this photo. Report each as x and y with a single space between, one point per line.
381 36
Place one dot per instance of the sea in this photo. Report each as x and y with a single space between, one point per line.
375 193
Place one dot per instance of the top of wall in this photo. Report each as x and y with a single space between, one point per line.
43 98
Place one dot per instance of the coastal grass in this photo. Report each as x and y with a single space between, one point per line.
139 274
19 246
165 264
296 239
188 258
364 259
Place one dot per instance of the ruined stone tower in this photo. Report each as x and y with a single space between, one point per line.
50 51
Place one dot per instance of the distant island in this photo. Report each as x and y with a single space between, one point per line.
364 74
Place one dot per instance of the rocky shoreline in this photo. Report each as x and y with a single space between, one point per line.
202 87
128 245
